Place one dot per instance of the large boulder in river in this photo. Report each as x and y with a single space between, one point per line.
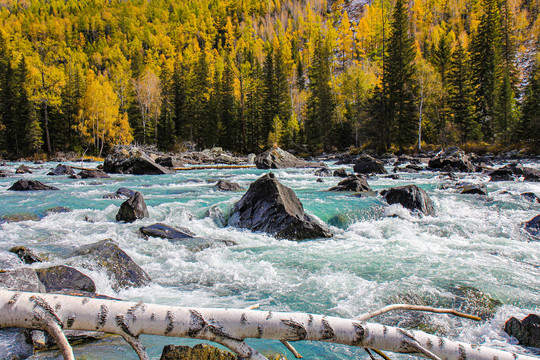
271 207
132 209
30 185
352 183
61 277
93 174
533 226
121 193
526 331
23 169
106 255
166 232
453 159
131 160
367 164
61 170
225 185
276 158
411 197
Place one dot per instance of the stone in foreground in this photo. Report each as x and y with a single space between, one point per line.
271 207
527 331
61 277
410 197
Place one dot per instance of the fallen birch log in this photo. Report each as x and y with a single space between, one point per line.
229 327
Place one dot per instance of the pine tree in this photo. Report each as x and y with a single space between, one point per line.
530 118
486 61
227 110
166 124
461 96
320 102
441 57
399 85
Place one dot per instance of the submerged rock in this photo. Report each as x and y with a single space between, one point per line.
526 331
61 277
225 185
30 185
271 207
411 197
61 170
107 255
57 210
352 183
11 218
120 193
276 158
131 160
166 232
132 209
366 164
26 255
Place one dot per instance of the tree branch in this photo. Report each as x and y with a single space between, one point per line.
372 314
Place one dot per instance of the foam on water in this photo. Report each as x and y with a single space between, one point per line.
379 254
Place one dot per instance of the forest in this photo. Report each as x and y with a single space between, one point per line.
309 75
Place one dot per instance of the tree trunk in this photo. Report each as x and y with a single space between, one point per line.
228 327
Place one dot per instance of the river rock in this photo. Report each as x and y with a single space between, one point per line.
23 169
166 232
131 160
11 218
341 172
132 209
61 169
61 277
533 226
169 162
532 197
527 331
93 174
367 164
352 183
107 255
120 193
323 172
479 189
502 174
57 210
22 279
273 208
26 255
30 185
199 352
276 158
530 174
411 197
452 159
225 185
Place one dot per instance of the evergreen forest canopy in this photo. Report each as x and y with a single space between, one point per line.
243 74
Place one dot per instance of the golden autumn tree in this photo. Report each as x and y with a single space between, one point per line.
100 122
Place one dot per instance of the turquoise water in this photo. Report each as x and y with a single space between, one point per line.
379 254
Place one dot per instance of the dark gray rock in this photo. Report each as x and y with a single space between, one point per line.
478 189
26 255
323 172
61 169
169 162
502 174
61 277
411 197
166 232
276 158
30 185
366 164
271 207
451 160
120 193
106 255
132 209
341 172
225 185
530 174
93 174
352 183
527 331
13 344
23 169
533 226
57 210
131 160
22 279
529 196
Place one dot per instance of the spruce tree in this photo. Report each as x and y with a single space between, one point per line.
441 57
399 85
166 124
230 137
530 118
461 96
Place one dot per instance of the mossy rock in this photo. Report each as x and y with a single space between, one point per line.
11 218
203 352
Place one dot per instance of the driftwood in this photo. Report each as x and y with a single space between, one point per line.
229 327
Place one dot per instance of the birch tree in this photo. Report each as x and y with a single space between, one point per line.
228 327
